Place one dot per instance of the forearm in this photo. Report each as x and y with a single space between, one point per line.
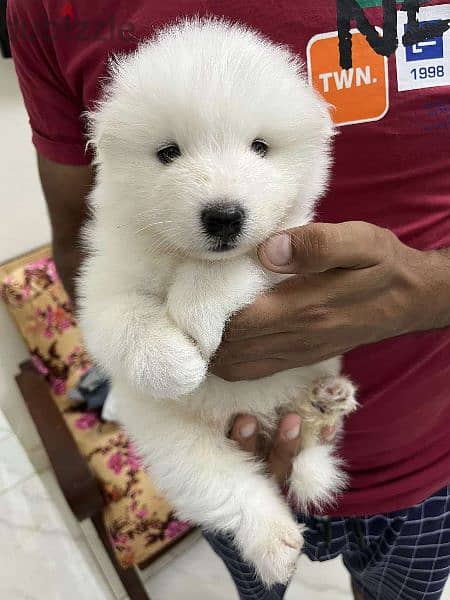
424 290
437 289
65 189
68 258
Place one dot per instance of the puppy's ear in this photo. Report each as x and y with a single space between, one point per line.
100 131
326 128
93 128
99 121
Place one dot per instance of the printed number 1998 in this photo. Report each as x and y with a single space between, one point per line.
428 72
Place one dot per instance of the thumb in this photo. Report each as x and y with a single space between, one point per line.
319 247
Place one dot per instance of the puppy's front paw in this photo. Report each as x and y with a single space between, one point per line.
274 550
201 326
333 396
168 367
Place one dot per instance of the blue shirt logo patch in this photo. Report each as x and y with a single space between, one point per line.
429 49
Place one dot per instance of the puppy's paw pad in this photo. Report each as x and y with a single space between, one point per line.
334 395
275 554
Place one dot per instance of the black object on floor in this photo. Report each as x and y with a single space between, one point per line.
92 390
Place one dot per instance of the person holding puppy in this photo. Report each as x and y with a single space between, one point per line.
372 278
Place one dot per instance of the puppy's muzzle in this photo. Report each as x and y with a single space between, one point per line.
222 223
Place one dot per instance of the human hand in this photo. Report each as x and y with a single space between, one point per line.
355 284
285 445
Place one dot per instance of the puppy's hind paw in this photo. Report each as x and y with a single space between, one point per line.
317 478
333 395
274 551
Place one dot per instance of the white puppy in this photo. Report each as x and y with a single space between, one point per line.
208 142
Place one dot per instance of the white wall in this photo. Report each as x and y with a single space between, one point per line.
23 226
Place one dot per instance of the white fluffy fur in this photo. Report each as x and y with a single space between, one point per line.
155 298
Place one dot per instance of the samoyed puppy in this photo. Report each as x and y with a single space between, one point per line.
208 141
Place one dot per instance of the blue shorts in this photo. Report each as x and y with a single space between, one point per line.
402 555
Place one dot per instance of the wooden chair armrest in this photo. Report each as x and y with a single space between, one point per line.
77 483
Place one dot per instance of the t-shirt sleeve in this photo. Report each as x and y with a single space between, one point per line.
54 110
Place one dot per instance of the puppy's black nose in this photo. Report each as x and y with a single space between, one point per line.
223 221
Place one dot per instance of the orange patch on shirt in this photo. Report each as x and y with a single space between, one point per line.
359 94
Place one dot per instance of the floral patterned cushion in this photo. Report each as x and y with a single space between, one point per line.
140 522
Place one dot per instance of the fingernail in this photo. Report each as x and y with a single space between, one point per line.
248 430
292 434
279 249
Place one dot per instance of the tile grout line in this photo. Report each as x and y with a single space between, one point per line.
98 564
8 438
8 435
79 538
18 483
11 435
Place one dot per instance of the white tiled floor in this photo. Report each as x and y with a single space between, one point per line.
199 575
44 553
14 465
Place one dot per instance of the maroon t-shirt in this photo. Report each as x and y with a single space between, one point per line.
392 168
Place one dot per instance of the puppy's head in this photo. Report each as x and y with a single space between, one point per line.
209 140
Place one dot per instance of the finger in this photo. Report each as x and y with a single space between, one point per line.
319 247
248 371
285 447
260 346
304 306
244 432
270 312
264 313
295 347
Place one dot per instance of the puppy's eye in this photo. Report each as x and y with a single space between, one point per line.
260 147
168 154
